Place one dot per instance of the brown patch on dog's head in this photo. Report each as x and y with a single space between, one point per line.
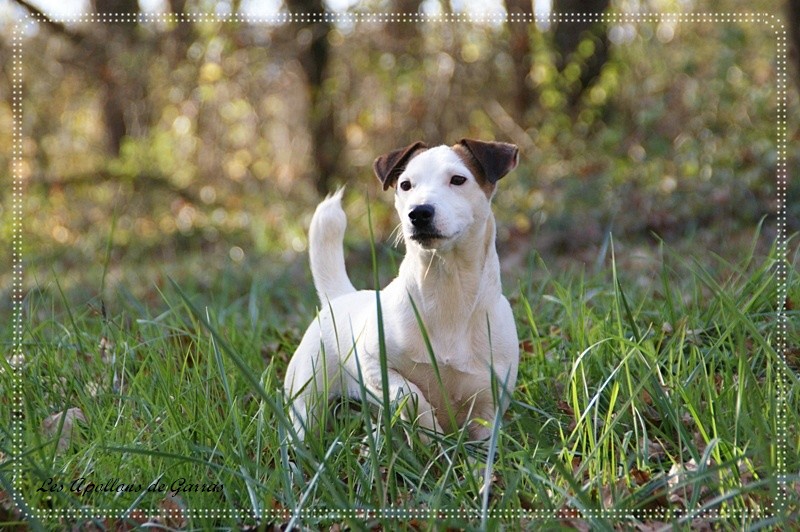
388 167
475 169
488 161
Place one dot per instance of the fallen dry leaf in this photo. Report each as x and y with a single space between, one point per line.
609 494
641 477
792 357
106 350
655 449
173 512
15 362
652 526
51 423
573 519
700 524
646 397
565 408
677 473
681 490
527 346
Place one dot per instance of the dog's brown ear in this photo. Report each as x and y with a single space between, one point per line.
496 159
388 167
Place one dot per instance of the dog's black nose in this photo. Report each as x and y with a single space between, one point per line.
421 216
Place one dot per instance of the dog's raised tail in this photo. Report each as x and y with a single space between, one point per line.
326 249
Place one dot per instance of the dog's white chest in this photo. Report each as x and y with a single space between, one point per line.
462 351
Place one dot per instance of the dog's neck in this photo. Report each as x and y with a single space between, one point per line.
453 285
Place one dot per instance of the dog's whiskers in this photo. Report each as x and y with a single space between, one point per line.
397 234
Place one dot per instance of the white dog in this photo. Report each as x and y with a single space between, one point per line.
448 285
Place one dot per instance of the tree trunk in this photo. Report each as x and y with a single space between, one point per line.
117 81
404 32
180 37
314 56
793 21
569 35
522 57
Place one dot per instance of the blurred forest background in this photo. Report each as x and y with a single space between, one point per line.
202 147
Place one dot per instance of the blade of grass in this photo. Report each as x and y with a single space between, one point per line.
107 259
432 356
298 510
489 469
382 354
68 308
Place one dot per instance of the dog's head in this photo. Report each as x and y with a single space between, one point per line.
442 192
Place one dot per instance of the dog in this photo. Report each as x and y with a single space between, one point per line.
448 333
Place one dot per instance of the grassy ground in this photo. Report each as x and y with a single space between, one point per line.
638 403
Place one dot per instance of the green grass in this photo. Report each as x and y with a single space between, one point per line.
651 402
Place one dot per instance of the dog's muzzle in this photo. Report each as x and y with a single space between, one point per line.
421 218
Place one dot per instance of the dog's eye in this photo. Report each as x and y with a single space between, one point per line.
458 180
405 185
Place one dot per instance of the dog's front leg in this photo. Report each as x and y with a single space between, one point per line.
416 408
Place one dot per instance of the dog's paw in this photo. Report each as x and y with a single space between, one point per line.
479 429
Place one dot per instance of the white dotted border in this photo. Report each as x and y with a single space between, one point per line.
774 23
392 513
415 18
782 178
16 248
